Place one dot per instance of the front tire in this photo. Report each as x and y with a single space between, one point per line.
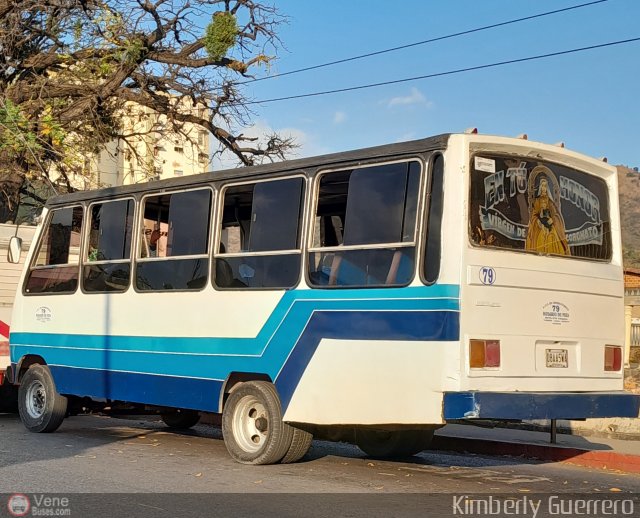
181 419
392 444
41 408
252 425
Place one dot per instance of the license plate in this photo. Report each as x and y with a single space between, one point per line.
557 358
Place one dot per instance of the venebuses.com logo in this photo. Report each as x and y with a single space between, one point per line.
18 505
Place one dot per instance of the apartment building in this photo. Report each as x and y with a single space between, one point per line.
153 151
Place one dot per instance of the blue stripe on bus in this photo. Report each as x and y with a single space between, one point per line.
204 394
224 346
300 319
171 391
365 325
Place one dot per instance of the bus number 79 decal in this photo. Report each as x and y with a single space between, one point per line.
487 275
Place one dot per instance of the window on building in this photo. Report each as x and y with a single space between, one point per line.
178 172
174 244
178 149
260 238
365 227
107 264
56 263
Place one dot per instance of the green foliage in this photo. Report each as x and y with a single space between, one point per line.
15 134
221 34
105 68
133 51
77 30
51 129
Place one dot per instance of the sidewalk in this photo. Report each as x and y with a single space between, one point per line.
592 452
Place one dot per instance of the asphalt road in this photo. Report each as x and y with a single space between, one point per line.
159 473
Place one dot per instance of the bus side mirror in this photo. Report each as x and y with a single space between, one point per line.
15 250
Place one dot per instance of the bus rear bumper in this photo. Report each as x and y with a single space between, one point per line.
539 405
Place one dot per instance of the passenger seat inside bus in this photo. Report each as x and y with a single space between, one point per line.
224 273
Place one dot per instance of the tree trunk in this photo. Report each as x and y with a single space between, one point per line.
12 179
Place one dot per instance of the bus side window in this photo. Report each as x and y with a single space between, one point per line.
365 227
56 264
260 239
175 241
434 222
107 264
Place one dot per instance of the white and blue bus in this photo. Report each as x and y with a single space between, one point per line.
384 291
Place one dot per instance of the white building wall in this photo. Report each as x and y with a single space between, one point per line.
155 153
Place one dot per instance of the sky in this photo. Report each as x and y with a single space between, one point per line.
589 100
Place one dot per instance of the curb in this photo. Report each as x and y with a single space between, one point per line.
599 459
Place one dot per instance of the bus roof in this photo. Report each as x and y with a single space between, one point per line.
401 148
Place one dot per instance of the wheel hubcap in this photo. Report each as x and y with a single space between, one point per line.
36 399
250 424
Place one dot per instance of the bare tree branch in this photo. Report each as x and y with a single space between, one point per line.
68 68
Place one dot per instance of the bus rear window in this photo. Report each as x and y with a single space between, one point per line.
538 207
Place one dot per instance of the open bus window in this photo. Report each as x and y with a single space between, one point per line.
55 269
260 238
365 227
433 240
174 241
108 256
535 206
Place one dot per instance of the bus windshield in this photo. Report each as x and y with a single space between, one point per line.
539 207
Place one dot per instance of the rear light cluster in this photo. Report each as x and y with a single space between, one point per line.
484 354
612 358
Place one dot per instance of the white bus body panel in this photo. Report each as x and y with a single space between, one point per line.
512 309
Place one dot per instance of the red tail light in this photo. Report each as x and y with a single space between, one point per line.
612 358
484 353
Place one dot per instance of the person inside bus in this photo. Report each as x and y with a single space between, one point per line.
153 242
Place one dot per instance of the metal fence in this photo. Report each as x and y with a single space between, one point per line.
635 335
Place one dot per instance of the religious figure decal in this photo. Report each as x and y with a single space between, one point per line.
522 203
546 230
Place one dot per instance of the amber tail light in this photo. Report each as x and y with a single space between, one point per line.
612 358
484 353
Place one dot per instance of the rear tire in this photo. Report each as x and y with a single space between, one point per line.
252 425
181 419
41 408
299 446
396 444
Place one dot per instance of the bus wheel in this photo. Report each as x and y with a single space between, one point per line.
299 446
400 443
181 419
40 406
252 425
